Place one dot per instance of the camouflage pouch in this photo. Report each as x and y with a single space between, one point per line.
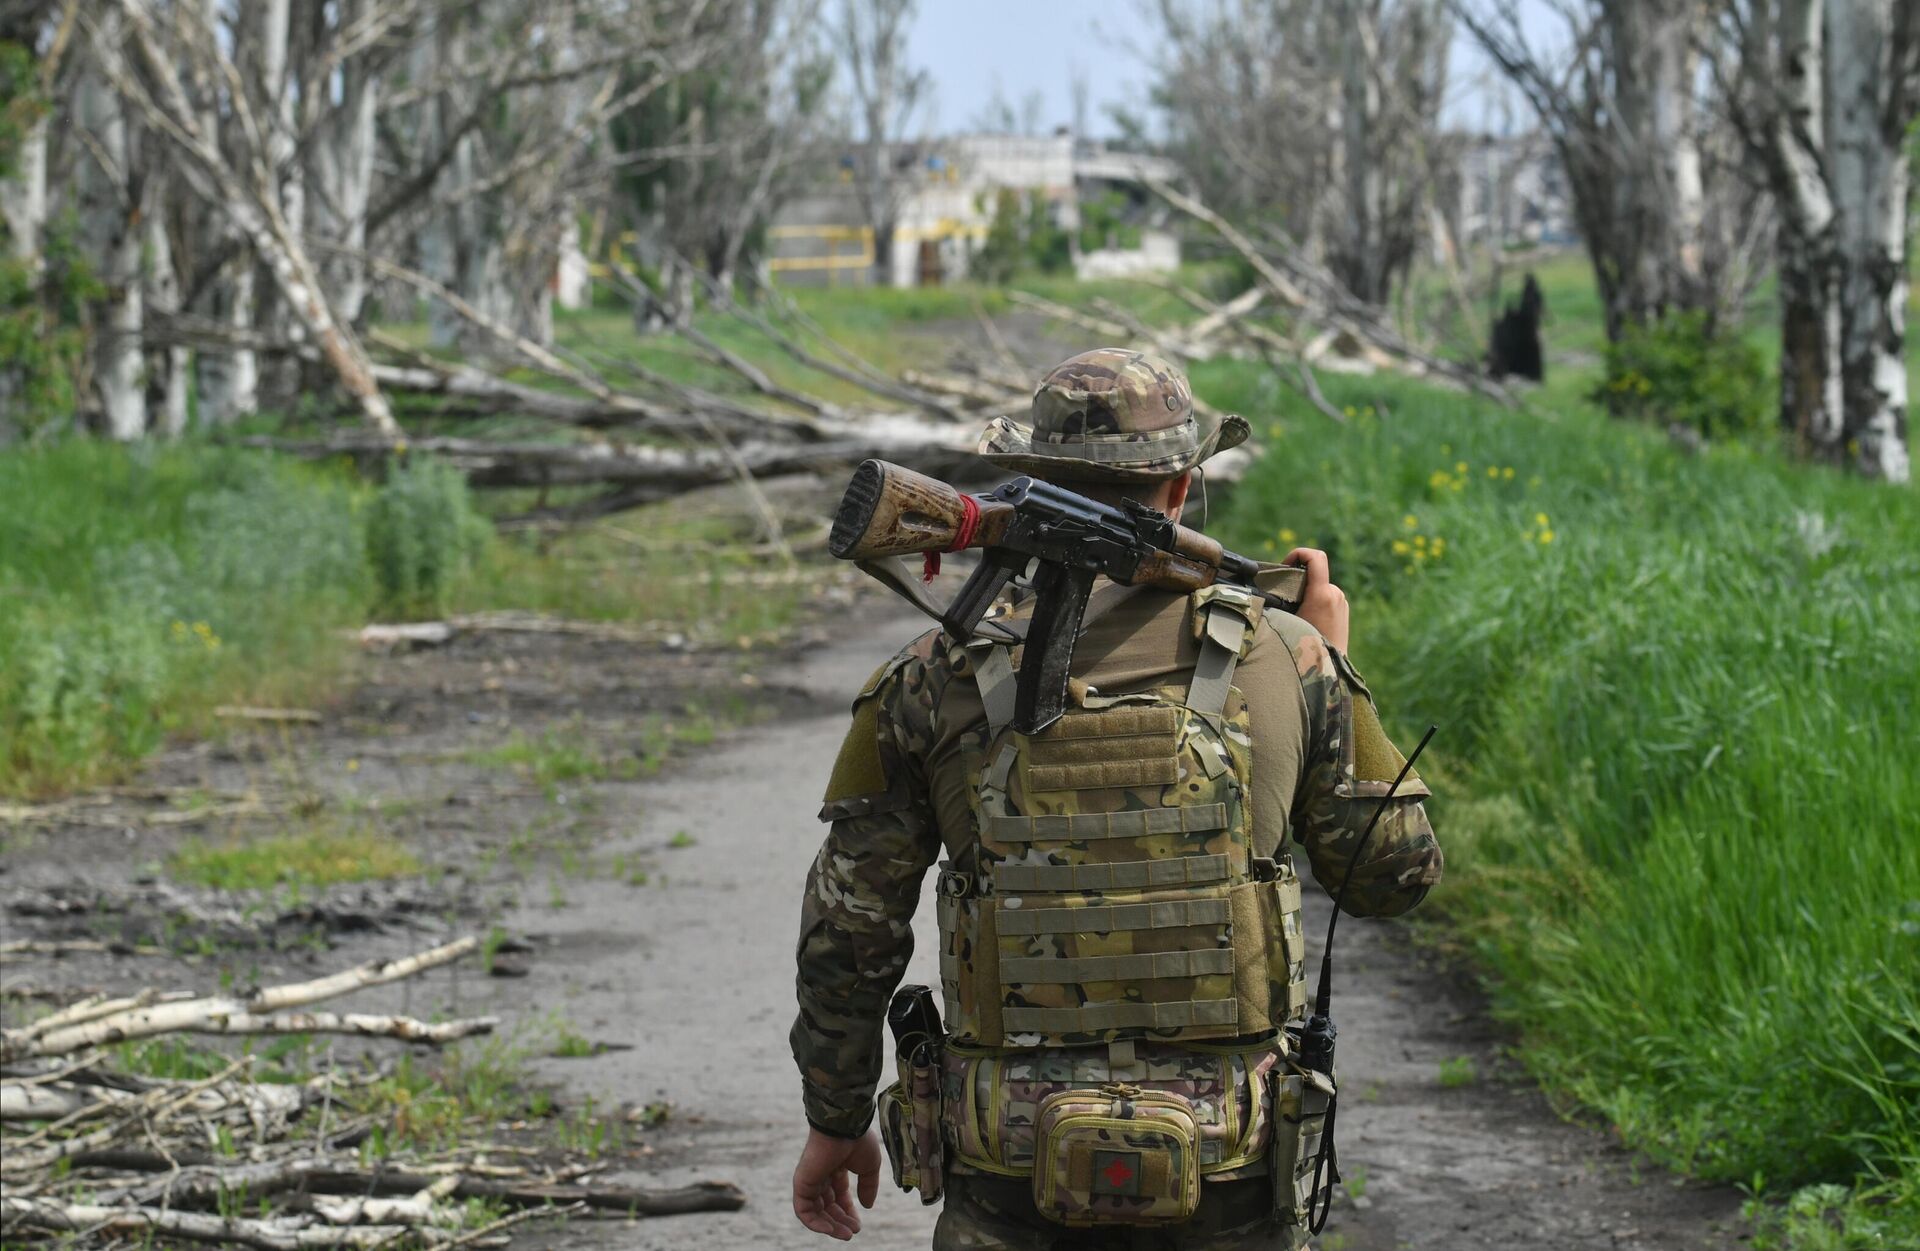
1118 1155
896 1134
909 1116
1300 1099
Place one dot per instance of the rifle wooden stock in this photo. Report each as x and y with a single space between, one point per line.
891 511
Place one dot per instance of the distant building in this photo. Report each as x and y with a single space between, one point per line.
821 238
1510 190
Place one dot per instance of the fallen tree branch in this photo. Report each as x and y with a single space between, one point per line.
233 1015
267 1234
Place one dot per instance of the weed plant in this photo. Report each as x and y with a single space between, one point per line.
140 587
1677 700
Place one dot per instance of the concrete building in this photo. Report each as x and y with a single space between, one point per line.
822 239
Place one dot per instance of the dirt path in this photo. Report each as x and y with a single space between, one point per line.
660 916
699 978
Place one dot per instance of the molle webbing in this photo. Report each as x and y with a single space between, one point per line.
1012 879
1104 776
1139 823
1117 723
1099 751
1072 970
1092 1017
1114 918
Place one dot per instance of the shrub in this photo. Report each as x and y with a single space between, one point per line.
423 535
140 586
1677 370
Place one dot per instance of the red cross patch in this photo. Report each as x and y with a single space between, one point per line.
1116 1173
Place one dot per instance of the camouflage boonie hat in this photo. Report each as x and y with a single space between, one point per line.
1110 415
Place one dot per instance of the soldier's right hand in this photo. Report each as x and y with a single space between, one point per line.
821 1197
1324 605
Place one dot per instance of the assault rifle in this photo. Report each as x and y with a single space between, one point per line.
890 511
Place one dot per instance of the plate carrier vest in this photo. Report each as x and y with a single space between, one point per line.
1113 894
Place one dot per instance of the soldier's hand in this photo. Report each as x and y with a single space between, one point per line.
1324 605
821 1197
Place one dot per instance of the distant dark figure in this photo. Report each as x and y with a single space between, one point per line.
1516 337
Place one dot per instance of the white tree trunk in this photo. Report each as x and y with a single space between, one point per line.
167 368
1868 173
111 235
23 195
340 170
227 379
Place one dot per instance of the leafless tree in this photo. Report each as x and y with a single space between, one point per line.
1320 120
1618 91
887 97
1825 93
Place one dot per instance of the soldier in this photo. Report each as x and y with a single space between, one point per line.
1118 1075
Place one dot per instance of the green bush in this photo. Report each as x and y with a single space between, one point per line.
1677 791
1676 370
1021 238
140 586
423 535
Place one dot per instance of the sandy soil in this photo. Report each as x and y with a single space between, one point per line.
690 969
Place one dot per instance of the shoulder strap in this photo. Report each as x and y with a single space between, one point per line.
1225 621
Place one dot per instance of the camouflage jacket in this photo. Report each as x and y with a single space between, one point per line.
898 797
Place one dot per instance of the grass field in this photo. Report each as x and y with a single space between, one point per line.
142 587
1676 760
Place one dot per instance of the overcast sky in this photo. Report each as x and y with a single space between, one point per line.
1023 46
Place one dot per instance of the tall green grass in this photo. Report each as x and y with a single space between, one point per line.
140 587
1679 700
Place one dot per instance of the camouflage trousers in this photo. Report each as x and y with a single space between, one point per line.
997 1214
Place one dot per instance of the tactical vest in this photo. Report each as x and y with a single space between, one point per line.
1112 894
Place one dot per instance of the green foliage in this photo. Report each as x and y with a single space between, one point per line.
43 326
1677 370
140 587
1104 222
1457 1071
1676 786
423 536
1021 238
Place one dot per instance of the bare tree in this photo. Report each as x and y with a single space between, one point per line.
887 96
1619 97
699 167
1319 120
1825 92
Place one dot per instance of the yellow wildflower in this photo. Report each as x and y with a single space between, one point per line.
1268 545
1419 540
1400 547
1493 471
1507 473
1546 536
1439 548
1540 519
1286 535
1410 521
1459 466
1349 411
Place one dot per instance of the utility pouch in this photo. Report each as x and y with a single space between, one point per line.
1300 1099
909 1117
1117 1155
896 1134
